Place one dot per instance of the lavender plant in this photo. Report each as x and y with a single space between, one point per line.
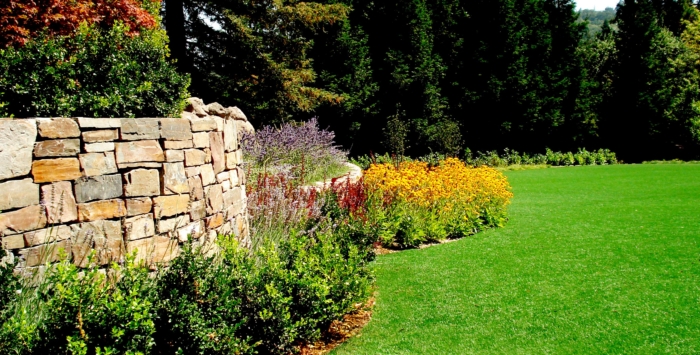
303 151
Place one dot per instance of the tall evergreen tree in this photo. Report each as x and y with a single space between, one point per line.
650 99
254 54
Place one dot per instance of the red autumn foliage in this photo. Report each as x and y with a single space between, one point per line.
21 20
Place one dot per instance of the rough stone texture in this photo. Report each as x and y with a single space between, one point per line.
193 230
105 237
142 182
143 165
17 139
154 250
192 171
88 122
139 151
208 175
215 109
215 199
207 152
13 242
195 187
58 128
217 152
233 177
139 227
178 144
23 220
235 113
102 187
174 179
195 157
95 164
99 147
241 176
47 235
230 136
173 156
221 177
51 170
215 221
175 129
231 160
201 139
166 206
196 106
198 210
234 200
18 194
244 128
86 185
168 225
104 135
57 148
137 206
60 203
46 253
200 124
140 129
98 210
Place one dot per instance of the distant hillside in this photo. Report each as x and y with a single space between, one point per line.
596 19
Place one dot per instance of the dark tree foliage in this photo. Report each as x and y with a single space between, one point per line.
252 54
415 76
643 118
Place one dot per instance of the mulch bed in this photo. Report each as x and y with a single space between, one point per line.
342 330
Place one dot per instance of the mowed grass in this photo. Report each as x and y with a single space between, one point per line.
602 259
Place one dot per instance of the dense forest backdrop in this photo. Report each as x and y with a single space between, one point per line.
403 76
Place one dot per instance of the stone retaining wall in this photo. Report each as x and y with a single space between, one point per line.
115 185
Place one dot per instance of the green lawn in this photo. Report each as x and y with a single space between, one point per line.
593 260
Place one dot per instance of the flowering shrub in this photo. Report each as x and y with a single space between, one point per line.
304 151
414 202
277 206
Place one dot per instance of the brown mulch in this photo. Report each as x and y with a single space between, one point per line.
340 331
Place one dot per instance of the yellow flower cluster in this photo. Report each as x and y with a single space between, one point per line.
450 183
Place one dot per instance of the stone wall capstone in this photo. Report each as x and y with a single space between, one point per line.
112 186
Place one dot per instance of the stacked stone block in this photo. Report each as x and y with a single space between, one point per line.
119 185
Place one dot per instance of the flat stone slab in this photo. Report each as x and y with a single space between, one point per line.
60 127
57 148
17 138
139 151
52 170
140 129
60 202
142 182
18 194
102 187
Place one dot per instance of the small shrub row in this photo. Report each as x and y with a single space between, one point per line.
507 158
232 302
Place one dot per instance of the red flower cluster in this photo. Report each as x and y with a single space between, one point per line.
352 196
22 20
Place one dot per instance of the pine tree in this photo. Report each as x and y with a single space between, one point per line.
254 54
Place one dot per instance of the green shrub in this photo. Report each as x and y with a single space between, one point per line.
267 302
68 310
95 73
